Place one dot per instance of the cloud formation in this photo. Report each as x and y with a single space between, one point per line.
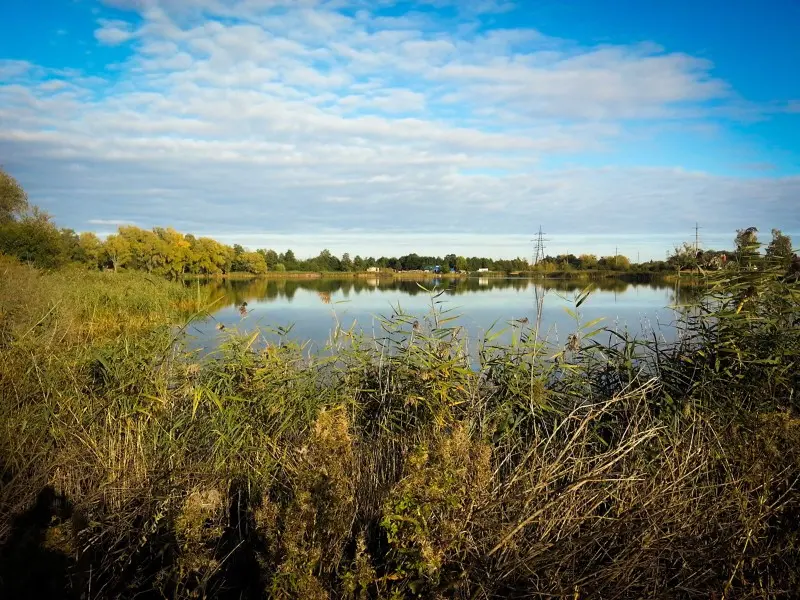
234 117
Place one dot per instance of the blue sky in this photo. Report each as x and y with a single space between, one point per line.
381 128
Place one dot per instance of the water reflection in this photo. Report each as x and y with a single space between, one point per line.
235 292
314 307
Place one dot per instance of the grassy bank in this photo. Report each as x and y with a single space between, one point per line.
391 469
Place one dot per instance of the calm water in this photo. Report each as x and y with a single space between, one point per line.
313 307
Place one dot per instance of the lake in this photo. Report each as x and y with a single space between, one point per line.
312 308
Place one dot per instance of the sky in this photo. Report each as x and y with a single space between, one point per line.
429 126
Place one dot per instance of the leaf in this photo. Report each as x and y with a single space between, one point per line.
494 336
592 323
198 394
594 332
584 295
570 312
252 339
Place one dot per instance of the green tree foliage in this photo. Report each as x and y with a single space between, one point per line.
780 248
70 246
34 239
614 263
116 251
325 262
13 199
144 248
91 248
252 262
683 257
175 252
747 246
289 261
346 262
271 257
209 257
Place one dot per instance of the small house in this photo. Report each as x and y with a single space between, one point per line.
483 270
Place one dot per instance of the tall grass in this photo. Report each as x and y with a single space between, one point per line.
391 467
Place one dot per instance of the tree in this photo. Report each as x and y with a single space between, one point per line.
587 261
622 263
252 262
33 239
145 250
411 262
116 250
614 263
175 251
326 261
271 257
208 256
70 246
13 199
461 263
289 261
780 248
346 263
747 246
683 257
91 248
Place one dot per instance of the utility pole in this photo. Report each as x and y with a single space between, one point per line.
616 255
538 251
696 237
696 245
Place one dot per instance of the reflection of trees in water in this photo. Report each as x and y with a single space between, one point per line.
686 293
238 291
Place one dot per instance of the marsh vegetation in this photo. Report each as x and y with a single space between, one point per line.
392 467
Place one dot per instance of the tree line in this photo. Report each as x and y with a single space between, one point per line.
31 235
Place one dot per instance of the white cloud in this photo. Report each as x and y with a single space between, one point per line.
116 222
114 32
234 116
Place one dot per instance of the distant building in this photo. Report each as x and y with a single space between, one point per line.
373 269
483 270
